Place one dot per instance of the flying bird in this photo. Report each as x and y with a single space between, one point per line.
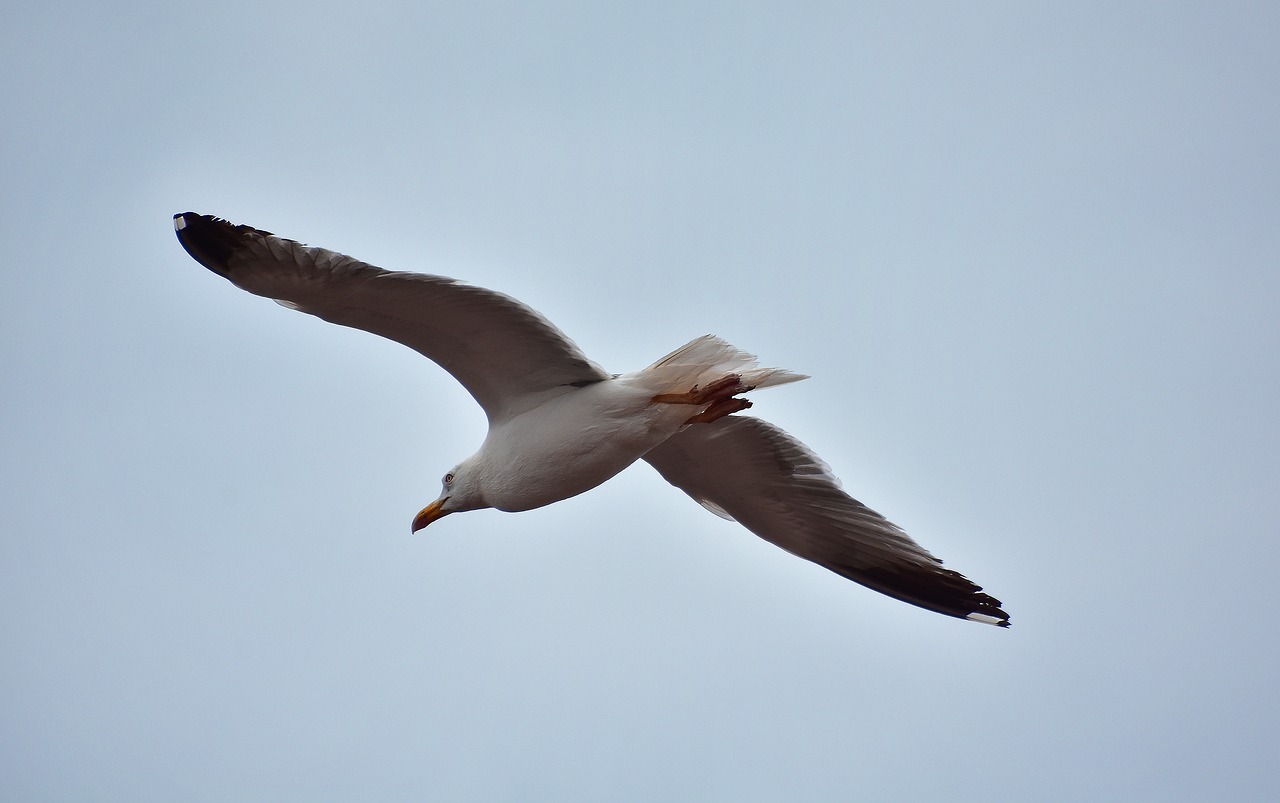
559 424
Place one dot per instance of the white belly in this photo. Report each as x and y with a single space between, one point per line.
573 443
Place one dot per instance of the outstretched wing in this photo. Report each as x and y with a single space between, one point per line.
755 473
508 357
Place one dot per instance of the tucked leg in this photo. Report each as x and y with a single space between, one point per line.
719 409
720 389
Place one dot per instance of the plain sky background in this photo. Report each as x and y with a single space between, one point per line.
1028 252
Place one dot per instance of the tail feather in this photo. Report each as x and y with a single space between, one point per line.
709 358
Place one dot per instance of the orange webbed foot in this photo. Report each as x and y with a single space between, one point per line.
719 409
723 388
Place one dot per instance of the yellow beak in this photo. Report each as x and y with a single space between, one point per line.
430 513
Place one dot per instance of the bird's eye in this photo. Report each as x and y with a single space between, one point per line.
448 478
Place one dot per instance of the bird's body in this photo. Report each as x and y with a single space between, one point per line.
560 425
527 461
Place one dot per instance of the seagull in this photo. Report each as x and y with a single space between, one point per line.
559 424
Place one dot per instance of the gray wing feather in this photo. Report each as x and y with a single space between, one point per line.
508 356
776 487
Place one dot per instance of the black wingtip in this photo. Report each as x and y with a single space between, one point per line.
210 240
941 590
986 609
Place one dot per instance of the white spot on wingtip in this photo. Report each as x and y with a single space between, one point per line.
982 617
179 223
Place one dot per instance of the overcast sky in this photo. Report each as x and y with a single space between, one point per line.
1028 255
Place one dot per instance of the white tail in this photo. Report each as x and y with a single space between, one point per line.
709 358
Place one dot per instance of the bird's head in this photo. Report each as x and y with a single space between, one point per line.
459 491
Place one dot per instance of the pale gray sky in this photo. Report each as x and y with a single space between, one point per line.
1028 255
